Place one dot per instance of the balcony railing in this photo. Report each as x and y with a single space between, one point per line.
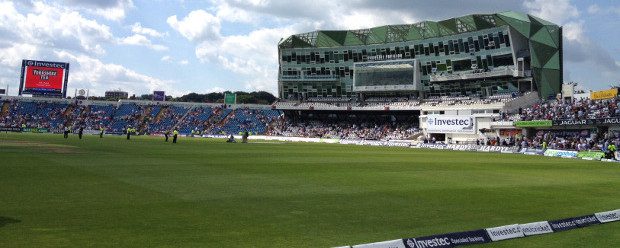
309 77
475 74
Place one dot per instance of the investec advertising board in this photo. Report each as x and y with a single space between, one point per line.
451 124
44 77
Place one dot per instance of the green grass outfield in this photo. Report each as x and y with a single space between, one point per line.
112 192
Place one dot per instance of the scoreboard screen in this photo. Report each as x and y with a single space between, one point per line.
386 75
44 78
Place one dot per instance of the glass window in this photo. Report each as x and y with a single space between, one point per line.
507 40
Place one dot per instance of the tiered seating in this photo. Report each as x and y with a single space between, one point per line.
377 130
214 122
53 112
195 120
251 120
99 115
126 115
35 114
169 118
150 119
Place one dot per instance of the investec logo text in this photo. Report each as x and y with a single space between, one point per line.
449 122
564 224
608 216
586 220
505 232
536 228
435 242
45 64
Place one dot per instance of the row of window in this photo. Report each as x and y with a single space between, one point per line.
463 88
426 69
474 88
470 45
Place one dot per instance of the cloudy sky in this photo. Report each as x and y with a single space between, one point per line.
184 46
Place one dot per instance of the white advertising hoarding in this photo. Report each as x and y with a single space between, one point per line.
451 124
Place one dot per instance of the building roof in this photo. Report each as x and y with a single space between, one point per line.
527 25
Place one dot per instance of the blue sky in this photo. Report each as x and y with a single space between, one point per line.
183 46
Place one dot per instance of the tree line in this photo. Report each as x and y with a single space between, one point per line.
255 97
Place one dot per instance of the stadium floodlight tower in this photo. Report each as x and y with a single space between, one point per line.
480 54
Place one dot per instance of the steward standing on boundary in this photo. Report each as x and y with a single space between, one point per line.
612 150
80 132
244 138
101 130
128 133
66 132
175 133
166 134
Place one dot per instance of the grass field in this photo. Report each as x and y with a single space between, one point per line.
112 192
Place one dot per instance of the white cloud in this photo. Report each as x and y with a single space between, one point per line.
557 11
114 10
197 26
166 58
229 13
139 37
50 32
141 40
53 27
216 89
252 56
593 9
93 74
573 31
137 28
169 59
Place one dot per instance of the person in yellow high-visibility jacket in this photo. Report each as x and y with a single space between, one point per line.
612 151
175 133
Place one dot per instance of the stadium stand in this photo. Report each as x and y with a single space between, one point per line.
34 114
214 119
250 120
577 109
195 120
166 119
576 137
371 130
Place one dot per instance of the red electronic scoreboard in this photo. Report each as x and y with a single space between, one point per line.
44 78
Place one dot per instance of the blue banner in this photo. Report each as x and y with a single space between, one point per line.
563 224
586 220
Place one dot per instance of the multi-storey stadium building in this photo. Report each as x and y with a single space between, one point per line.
474 55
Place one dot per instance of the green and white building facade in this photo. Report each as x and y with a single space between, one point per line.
474 55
